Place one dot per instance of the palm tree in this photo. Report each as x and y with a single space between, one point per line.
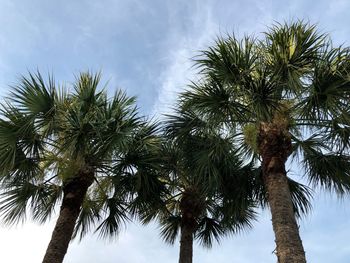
285 96
197 164
61 147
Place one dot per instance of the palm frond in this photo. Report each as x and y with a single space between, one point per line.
170 228
291 50
301 198
209 230
40 200
116 217
89 215
229 60
325 98
33 96
218 102
329 170
338 133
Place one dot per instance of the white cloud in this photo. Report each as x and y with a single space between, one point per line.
184 45
26 243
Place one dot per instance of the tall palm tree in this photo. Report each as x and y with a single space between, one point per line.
60 147
285 95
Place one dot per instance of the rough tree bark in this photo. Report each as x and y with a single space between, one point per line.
191 207
74 192
274 143
186 244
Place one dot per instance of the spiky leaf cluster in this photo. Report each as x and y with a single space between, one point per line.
49 133
291 74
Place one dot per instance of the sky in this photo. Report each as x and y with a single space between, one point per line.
145 47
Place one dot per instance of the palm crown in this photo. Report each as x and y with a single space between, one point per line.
293 75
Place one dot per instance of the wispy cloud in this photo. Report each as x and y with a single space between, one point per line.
184 45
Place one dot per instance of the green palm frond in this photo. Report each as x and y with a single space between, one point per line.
322 166
229 61
47 202
87 97
33 96
148 210
201 147
78 132
218 102
330 84
170 228
212 158
116 217
209 230
228 67
14 203
291 50
303 146
19 139
329 170
40 199
262 95
38 100
301 198
118 117
338 133
183 123
89 215
237 210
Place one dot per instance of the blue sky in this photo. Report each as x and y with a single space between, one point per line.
144 47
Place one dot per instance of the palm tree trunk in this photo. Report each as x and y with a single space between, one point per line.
275 147
73 196
289 245
186 244
191 207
